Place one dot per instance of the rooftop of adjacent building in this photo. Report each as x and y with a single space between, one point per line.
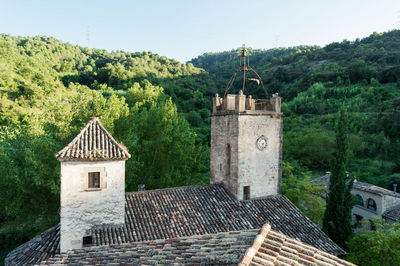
183 212
392 213
324 181
244 247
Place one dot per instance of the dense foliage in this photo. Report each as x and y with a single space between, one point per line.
376 247
314 82
159 108
48 90
337 217
297 188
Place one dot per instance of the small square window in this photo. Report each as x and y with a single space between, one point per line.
94 180
246 193
87 241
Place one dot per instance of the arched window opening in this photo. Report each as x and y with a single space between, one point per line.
228 159
360 200
371 205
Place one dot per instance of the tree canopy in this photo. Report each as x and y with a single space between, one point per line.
159 108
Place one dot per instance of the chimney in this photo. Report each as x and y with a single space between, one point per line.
141 187
394 188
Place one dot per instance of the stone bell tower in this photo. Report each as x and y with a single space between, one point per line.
92 185
246 143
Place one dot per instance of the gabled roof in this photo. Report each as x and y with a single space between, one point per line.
199 210
225 248
208 209
274 248
39 248
374 189
325 180
93 143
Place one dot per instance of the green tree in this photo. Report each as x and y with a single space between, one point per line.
376 247
337 218
297 188
165 151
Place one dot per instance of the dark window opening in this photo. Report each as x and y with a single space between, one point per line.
87 241
372 225
371 205
360 200
358 220
228 159
94 180
358 217
246 193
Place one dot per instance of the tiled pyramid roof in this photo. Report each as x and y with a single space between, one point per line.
93 143
273 248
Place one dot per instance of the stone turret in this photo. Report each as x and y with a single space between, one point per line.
92 185
246 145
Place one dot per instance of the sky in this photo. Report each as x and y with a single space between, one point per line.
185 29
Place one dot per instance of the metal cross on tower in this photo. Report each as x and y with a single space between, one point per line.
245 67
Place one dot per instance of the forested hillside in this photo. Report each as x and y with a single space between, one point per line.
314 82
159 108
48 91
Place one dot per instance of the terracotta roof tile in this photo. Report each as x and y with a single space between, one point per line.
324 181
225 248
93 143
392 213
290 252
37 249
205 210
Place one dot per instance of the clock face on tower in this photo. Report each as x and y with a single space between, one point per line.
261 143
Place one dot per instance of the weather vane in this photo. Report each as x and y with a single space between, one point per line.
245 67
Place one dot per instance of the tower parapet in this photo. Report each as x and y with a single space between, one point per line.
240 103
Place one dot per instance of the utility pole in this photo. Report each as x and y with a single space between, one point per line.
88 36
277 41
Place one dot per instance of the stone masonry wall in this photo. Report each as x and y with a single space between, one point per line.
259 169
81 208
236 121
224 131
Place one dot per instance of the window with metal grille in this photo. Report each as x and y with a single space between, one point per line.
246 192
94 180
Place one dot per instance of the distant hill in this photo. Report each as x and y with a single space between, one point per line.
32 69
292 70
314 82
160 109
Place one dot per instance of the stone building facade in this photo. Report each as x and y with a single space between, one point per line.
92 185
372 201
246 145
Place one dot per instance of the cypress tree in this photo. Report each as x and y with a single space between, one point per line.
337 218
